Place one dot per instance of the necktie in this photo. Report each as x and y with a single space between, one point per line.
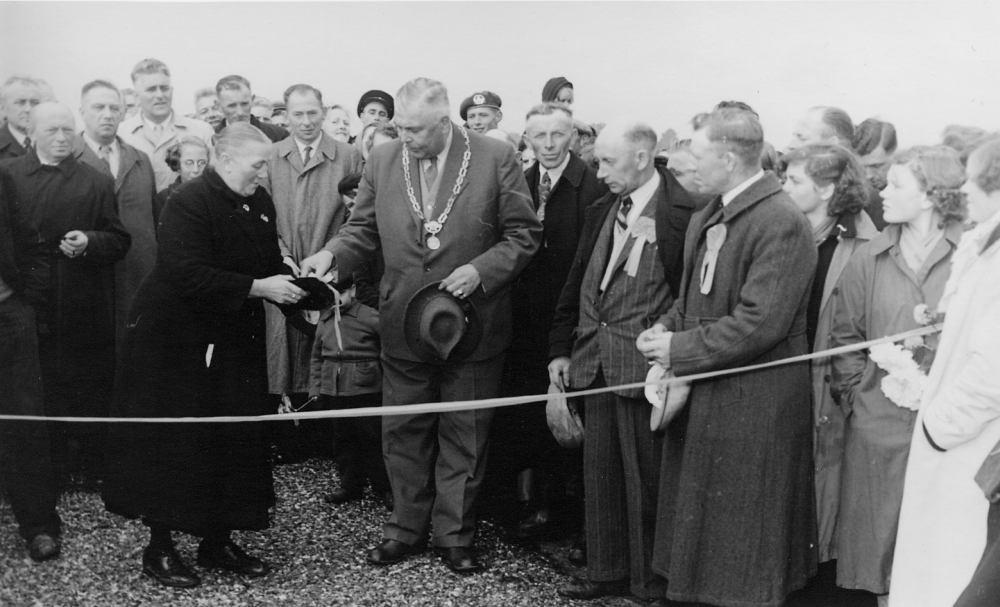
623 211
306 155
430 176
544 189
27 144
105 154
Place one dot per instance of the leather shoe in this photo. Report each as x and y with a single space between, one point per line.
342 496
229 556
390 552
166 567
460 559
585 590
43 547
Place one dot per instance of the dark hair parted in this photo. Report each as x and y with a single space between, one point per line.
736 105
173 158
872 134
826 164
939 171
987 165
98 84
738 131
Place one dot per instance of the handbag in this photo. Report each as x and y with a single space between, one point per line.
563 419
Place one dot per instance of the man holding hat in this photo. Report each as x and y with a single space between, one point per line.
451 213
375 106
481 111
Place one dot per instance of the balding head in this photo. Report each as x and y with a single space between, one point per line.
53 130
624 151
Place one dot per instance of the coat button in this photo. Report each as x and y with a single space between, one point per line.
427 268
824 420
604 324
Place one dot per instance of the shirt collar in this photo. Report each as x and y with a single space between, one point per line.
149 124
733 193
96 147
18 135
556 173
301 145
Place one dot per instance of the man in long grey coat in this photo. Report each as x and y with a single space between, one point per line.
135 187
305 170
737 513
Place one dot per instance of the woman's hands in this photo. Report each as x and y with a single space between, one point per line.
277 288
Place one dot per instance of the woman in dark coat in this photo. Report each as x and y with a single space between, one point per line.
194 346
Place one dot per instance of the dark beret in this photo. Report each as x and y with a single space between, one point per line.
484 99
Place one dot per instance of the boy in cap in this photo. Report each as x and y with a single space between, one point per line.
346 374
481 111
375 106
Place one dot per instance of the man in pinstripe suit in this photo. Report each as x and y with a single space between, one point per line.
620 281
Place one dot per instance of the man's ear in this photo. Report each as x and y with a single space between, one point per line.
732 162
499 116
642 158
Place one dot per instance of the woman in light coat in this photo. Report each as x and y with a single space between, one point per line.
943 523
827 183
904 266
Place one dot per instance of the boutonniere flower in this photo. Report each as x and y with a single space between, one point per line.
904 382
715 238
924 315
645 228
246 208
264 217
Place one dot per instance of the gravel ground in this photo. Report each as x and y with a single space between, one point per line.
316 550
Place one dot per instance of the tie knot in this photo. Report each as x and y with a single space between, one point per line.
546 179
431 163
626 204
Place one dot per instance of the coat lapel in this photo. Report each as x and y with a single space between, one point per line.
128 157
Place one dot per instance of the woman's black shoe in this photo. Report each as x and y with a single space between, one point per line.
166 567
229 556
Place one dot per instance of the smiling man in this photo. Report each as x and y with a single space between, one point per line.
481 111
236 101
135 186
73 207
206 106
18 96
156 127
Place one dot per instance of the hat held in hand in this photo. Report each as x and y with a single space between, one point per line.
439 327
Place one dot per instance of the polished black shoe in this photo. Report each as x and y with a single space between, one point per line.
342 496
460 559
166 567
43 547
578 552
229 556
585 590
390 552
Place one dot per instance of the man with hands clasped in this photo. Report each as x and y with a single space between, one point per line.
737 472
443 205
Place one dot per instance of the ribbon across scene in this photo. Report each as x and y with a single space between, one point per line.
468 405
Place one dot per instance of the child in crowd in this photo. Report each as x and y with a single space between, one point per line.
346 374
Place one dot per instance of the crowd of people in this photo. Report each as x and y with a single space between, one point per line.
254 258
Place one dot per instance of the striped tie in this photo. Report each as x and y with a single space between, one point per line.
623 211
544 189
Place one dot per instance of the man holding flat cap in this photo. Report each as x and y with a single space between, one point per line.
446 206
481 111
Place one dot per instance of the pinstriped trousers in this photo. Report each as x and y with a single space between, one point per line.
621 459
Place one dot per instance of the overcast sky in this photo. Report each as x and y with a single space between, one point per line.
919 65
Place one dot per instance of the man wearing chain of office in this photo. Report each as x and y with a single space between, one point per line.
452 214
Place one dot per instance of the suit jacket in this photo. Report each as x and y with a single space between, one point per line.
672 217
24 264
274 132
536 291
610 320
132 131
492 226
135 192
9 147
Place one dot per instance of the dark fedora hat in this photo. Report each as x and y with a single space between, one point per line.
318 295
439 327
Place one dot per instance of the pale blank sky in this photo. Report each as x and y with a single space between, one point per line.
919 65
